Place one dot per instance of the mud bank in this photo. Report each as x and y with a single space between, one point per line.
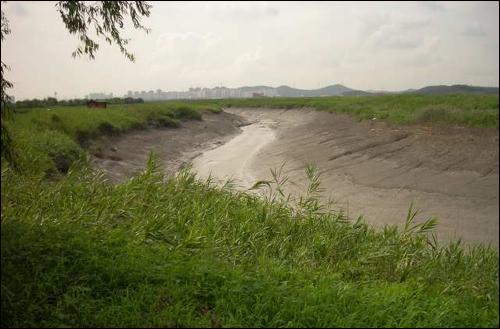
125 156
376 169
372 169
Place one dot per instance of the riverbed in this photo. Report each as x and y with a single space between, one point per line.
233 160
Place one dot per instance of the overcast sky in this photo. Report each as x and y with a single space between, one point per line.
370 45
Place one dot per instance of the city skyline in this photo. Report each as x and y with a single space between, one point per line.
221 92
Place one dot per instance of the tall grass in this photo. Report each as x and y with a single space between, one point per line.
470 110
175 251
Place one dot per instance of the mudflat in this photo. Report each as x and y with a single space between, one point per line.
232 160
124 156
369 168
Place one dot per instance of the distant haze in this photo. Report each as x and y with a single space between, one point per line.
305 45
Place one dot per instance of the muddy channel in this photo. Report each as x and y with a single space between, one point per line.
370 169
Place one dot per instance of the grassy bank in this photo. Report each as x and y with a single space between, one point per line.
471 110
163 251
51 139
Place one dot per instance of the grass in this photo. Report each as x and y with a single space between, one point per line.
82 124
49 140
174 251
178 252
469 110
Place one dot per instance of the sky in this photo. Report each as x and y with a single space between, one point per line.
362 45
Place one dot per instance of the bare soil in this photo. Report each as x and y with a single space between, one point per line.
371 168
123 157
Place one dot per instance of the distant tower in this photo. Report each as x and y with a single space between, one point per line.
55 95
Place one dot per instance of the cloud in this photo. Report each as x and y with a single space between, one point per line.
428 53
435 6
179 43
399 42
474 31
18 8
241 10
373 23
398 34
386 32
251 60
410 23
15 8
191 56
176 51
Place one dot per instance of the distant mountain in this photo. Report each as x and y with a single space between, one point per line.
286 91
334 90
340 90
254 89
361 93
431 90
455 89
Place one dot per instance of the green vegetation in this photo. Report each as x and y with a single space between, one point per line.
159 251
50 102
173 251
471 110
48 139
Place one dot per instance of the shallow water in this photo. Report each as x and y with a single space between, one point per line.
232 160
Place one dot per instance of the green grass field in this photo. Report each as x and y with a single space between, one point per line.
173 251
470 110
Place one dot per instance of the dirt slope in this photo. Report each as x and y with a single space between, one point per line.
377 169
370 168
124 156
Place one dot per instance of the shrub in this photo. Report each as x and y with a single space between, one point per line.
160 119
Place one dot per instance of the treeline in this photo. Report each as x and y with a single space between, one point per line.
51 101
